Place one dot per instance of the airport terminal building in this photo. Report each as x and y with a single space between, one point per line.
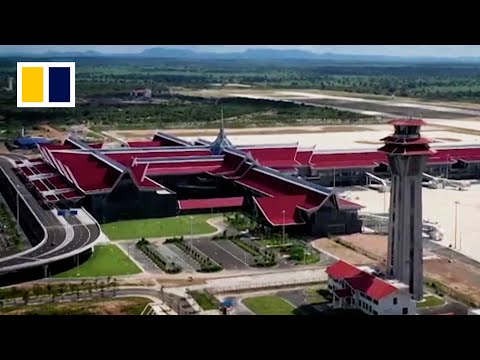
281 185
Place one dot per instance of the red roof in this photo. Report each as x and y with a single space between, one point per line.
169 140
177 167
210 203
343 293
400 149
347 204
135 144
407 122
359 280
409 141
304 156
341 270
371 285
273 209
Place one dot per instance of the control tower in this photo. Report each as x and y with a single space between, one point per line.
407 155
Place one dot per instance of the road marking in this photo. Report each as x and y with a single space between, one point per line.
229 253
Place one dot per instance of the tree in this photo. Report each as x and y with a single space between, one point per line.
114 286
26 296
37 291
102 288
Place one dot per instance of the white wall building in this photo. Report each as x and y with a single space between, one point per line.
354 288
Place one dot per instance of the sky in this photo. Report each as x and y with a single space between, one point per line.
392 50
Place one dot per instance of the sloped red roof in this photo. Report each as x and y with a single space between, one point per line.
343 293
177 167
408 122
372 286
359 280
210 203
341 270
151 143
273 210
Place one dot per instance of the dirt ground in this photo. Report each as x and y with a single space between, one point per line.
342 252
50 132
148 134
459 276
374 246
126 306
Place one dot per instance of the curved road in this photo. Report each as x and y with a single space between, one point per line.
56 235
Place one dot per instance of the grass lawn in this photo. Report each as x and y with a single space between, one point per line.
317 295
430 301
269 305
106 260
309 259
155 228
205 300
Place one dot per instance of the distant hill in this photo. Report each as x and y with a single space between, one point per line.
249 54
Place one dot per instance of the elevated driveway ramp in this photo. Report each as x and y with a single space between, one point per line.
55 242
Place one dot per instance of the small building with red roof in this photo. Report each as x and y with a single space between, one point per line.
356 288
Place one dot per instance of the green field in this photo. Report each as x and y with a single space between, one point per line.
205 300
124 306
318 295
269 305
155 228
430 301
106 260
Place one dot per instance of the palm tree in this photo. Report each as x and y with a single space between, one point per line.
54 293
37 291
102 288
114 286
75 289
26 296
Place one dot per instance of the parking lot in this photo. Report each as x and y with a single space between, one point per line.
224 252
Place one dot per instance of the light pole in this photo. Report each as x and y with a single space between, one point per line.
18 210
334 176
283 227
456 222
385 201
191 226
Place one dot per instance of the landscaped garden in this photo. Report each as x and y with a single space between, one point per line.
155 228
106 260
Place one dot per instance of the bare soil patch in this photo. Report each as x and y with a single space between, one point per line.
51 132
371 245
127 306
342 252
460 278
148 134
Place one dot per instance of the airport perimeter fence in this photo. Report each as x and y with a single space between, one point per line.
266 285
28 222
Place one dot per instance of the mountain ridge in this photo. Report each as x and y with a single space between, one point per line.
248 54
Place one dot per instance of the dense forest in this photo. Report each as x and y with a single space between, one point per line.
113 76
175 111
100 79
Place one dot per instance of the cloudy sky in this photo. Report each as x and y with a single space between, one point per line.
393 50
